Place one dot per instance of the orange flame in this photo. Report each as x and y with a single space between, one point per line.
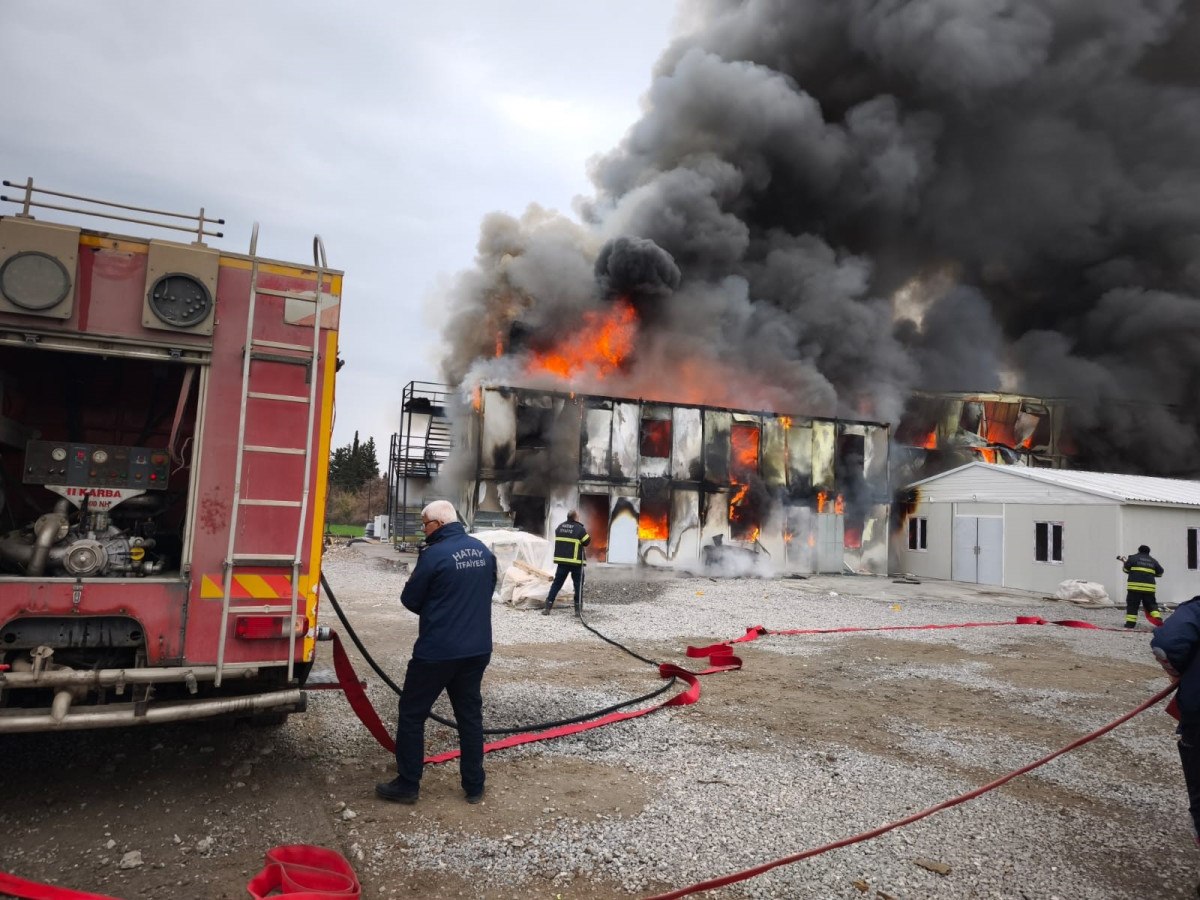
812 540
743 440
477 398
785 421
852 538
839 505
499 345
822 499
930 441
653 522
601 344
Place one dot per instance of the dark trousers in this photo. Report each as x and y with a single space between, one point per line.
424 681
1189 757
560 578
1145 599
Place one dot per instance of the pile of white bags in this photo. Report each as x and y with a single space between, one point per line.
1083 593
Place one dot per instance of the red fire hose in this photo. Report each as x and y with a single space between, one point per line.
305 872
724 880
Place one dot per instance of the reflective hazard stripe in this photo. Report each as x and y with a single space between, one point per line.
1142 569
1139 586
577 550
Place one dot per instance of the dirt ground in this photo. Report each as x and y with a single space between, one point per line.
199 804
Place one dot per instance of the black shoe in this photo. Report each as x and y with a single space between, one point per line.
475 798
546 611
393 790
1130 625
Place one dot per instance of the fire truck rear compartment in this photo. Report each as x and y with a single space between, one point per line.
125 427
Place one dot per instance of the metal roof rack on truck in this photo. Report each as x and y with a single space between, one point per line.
28 202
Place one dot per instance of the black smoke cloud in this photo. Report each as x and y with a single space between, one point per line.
870 197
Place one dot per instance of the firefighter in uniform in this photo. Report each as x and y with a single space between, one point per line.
569 540
1142 569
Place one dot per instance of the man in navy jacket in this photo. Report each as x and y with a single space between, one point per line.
1175 645
450 589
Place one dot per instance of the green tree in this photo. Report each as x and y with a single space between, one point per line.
352 466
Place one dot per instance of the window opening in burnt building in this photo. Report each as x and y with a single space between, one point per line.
529 513
654 515
655 441
745 504
918 533
1193 550
1048 541
853 494
535 421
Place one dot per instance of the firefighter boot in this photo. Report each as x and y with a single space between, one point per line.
546 611
396 791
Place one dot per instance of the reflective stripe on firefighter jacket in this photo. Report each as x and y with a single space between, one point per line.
1142 569
569 540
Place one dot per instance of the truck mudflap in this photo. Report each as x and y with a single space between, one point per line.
122 715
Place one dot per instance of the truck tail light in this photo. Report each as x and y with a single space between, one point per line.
257 628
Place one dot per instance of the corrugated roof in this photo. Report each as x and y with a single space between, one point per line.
1126 488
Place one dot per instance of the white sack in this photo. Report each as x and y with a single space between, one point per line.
1083 593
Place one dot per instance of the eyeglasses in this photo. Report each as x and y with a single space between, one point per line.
425 523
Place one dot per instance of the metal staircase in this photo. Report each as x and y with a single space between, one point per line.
418 452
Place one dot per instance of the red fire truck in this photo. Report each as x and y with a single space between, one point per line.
165 417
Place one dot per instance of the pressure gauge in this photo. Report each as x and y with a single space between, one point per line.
58 454
100 457
180 300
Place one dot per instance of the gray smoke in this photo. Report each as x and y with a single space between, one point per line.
834 204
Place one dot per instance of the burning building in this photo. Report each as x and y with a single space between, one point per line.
835 212
681 485
939 432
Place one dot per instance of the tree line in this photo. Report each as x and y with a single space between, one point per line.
357 492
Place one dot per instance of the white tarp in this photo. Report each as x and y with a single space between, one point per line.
527 585
1083 593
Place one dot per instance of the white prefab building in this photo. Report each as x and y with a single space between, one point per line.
1031 529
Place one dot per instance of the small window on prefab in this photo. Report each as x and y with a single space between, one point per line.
1193 550
1048 542
655 438
918 533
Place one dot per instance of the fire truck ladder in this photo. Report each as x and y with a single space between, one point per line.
269 351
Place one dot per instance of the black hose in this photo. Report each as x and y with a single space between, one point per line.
450 723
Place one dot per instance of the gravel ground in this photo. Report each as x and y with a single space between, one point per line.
815 739
719 796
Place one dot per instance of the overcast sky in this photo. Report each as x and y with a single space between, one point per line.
390 129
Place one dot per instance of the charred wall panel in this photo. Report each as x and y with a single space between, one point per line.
824 450
626 432
717 424
685 527
830 549
799 459
498 440
801 537
687 444
774 454
597 440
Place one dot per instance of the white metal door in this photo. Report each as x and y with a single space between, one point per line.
963 563
977 552
623 531
991 550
